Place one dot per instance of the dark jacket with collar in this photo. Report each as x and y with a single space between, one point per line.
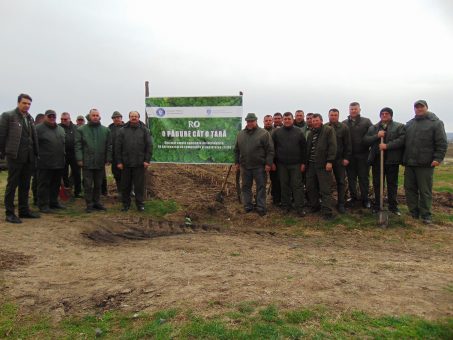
358 129
344 146
254 148
290 146
394 138
93 146
426 141
70 135
114 129
18 139
133 145
326 147
51 146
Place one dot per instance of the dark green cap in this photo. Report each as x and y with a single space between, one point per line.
251 116
116 114
421 102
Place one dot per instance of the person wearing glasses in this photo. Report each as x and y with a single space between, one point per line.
70 130
19 143
51 162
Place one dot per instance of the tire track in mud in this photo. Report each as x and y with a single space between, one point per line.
120 229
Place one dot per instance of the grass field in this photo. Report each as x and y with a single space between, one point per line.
256 319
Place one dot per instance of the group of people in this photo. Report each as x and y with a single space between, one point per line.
304 155
47 150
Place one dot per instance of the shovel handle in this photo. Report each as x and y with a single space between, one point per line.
381 179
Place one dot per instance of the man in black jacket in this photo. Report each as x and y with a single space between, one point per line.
133 154
19 143
51 162
343 155
321 154
393 146
70 130
358 166
290 158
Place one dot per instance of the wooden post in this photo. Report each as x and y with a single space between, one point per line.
146 122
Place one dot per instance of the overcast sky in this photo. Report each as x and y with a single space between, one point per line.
284 55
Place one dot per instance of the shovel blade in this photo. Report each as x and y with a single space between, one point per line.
383 219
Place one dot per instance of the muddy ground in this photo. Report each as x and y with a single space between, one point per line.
73 263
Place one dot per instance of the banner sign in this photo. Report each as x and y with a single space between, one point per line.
194 129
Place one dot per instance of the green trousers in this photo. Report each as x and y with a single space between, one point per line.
418 186
319 188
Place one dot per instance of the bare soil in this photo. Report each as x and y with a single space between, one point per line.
66 264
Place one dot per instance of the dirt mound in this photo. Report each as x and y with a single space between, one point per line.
139 228
13 259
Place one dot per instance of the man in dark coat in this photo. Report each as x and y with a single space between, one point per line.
70 130
275 180
290 158
93 149
34 180
358 167
19 143
133 154
426 146
115 127
393 146
51 162
343 155
254 154
321 154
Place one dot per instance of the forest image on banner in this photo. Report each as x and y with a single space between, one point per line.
195 130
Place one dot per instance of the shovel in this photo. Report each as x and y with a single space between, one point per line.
383 217
220 196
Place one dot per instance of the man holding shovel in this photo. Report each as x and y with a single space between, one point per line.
388 137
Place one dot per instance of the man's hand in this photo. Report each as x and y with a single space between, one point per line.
267 168
80 163
328 166
273 167
120 166
382 146
381 134
345 162
302 168
145 164
435 163
107 163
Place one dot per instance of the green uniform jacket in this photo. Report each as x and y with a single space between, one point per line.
358 130
290 146
51 141
254 148
326 148
394 138
15 142
344 147
133 145
426 141
93 146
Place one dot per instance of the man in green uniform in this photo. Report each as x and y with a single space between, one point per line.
299 119
133 154
51 162
93 151
290 158
267 123
115 127
254 154
321 154
393 146
343 155
426 146
273 175
19 143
